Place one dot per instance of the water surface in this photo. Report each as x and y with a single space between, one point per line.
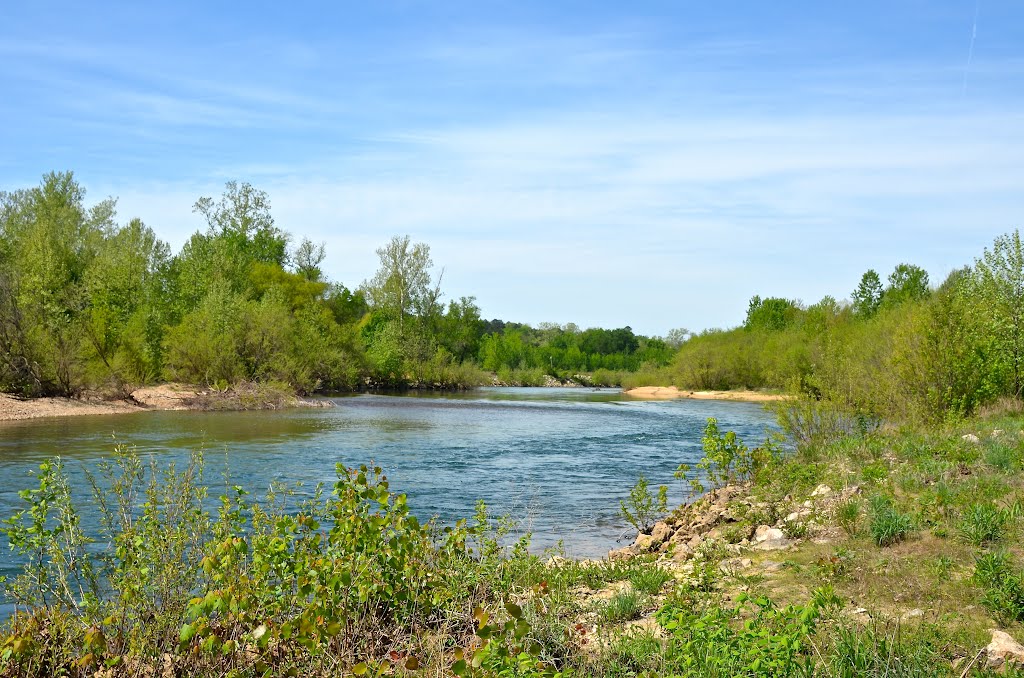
558 460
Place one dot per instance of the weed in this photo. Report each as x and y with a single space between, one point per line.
650 580
794 529
848 516
983 524
1003 586
625 605
888 525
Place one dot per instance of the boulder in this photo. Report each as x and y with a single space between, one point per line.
821 491
643 542
765 533
661 532
971 438
1003 650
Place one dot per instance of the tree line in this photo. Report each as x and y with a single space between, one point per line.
90 303
902 347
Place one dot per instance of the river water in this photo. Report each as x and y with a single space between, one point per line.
557 460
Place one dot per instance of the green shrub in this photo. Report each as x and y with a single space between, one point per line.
1003 586
771 642
888 525
983 524
643 508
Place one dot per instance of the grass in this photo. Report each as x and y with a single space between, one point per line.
626 605
888 525
983 524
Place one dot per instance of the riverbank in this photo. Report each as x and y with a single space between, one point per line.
672 393
162 397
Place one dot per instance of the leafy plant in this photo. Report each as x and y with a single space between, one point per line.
643 508
771 642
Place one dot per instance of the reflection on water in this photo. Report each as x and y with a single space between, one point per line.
559 460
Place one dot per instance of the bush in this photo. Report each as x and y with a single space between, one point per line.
1003 586
888 525
642 508
772 641
279 587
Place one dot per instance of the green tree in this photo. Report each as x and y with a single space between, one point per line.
242 217
771 314
868 295
999 287
403 285
906 283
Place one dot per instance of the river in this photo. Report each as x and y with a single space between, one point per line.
557 460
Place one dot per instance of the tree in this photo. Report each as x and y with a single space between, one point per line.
242 216
308 257
676 337
403 285
773 313
868 295
999 286
906 283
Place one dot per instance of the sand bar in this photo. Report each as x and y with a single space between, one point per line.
671 393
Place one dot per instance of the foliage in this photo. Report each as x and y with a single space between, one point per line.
1003 585
726 460
772 641
983 524
643 507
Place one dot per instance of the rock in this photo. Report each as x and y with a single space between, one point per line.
773 544
765 533
1003 650
821 491
623 553
661 532
971 438
681 553
643 542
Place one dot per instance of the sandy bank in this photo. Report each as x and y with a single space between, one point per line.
149 398
671 392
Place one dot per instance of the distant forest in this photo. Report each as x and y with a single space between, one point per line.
87 303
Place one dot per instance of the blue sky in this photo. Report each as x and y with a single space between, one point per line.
650 164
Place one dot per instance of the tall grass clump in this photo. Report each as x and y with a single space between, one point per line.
888 525
983 524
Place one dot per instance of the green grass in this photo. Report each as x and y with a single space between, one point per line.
625 605
888 525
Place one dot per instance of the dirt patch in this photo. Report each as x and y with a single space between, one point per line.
13 408
672 392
